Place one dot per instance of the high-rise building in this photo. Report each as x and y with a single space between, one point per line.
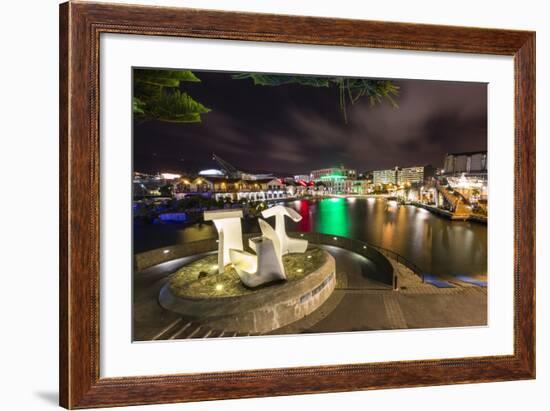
388 176
416 174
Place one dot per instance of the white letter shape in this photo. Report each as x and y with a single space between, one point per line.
288 244
230 236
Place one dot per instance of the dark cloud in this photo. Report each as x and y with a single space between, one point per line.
286 150
292 128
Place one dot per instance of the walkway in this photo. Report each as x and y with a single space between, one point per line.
362 305
358 303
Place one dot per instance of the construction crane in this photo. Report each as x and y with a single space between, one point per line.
229 169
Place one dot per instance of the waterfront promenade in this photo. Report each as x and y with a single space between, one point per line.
359 303
361 306
450 215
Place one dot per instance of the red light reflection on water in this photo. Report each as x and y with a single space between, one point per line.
305 222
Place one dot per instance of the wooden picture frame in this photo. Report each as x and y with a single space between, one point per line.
80 27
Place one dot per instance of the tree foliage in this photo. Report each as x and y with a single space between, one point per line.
350 90
157 96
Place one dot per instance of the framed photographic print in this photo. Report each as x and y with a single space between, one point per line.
258 205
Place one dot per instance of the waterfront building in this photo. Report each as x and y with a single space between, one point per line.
339 186
335 179
473 162
150 185
361 186
415 175
237 188
212 172
365 175
142 189
326 174
383 177
331 173
302 177
252 176
472 187
351 174
299 189
467 173
227 169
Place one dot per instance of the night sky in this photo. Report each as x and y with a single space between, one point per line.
291 129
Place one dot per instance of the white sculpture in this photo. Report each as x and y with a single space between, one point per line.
287 244
228 224
264 267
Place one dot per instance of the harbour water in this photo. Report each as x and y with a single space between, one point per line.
437 245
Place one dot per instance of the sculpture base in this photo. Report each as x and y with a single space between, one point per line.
222 302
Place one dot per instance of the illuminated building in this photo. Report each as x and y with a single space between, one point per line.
211 172
472 187
415 175
388 176
467 173
333 172
302 177
335 179
149 185
249 176
361 186
170 176
237 189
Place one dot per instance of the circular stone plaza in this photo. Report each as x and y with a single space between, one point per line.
335 284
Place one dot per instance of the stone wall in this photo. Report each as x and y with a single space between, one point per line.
264 310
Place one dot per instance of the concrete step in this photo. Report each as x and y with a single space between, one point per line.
191 332
202 332
167 331
216 334
185 330
181 329
227 333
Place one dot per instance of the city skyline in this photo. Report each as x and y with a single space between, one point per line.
293 129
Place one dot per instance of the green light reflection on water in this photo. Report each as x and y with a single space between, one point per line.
333 217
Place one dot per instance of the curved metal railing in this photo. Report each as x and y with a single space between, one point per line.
359 246
384 272
375 253
400 259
